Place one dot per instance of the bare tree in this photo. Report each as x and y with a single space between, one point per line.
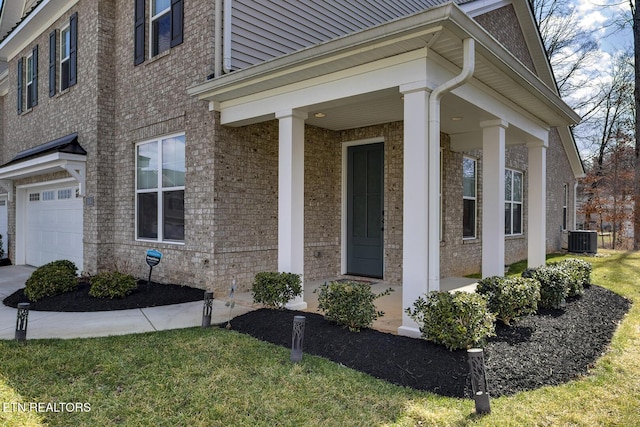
635 13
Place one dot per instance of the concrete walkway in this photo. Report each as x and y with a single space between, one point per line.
50 324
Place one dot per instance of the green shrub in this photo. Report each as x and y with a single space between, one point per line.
51 279
458 321
554 285
112 284
1 249
274 290
511 297
579 272
350 304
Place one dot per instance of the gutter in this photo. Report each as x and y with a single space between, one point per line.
468 67
217 46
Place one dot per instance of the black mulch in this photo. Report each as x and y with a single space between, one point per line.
145 295
4 262
550 348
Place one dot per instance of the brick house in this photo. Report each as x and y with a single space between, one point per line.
407 141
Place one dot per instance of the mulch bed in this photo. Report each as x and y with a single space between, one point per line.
550 348
146 295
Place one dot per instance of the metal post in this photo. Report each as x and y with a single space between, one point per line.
297 338
21 321
206 310
479 381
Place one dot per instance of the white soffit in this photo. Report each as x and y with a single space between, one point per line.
34 24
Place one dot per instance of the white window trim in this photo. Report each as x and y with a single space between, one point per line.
153 18
512 202
160 190
28 80
64 59
474 198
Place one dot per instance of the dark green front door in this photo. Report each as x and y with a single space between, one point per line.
365 217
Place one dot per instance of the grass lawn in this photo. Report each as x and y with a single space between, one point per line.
215 377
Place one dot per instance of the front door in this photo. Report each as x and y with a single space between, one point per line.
365 215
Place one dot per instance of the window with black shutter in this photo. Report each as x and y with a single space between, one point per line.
166 23
68 53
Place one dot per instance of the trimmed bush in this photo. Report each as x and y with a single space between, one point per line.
554 285
510 297
579 272
51 279
1 249
112 284
458 321
350 304
274 290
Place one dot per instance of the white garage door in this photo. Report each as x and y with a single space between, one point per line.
4 228
54 225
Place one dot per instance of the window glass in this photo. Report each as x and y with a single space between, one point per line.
517 186
147 166
173 164
160 6
148 215
173 213
469 177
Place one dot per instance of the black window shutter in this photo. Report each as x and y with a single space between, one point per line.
73 49
34 85
52 63
138 48
177 21
19 91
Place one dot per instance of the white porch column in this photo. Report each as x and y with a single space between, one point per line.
493 164
291 197
415 234
537 206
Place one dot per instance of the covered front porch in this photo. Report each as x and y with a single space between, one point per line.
438 73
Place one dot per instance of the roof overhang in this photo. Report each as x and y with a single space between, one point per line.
32 25
63 154
440 30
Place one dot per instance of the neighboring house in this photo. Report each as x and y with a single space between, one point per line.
406 140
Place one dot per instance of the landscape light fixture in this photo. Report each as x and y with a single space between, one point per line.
206 310
479 381
297 338
21 321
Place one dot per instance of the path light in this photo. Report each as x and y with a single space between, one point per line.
21 321
206 310
479 381
297 337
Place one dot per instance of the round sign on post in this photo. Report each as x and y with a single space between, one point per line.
153 258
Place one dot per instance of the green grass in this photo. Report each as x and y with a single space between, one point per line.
215 377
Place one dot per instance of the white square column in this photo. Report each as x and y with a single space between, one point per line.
291 197
537 206
415 234
493 165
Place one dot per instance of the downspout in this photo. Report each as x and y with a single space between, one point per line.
217 42
226 62
468 67
575 205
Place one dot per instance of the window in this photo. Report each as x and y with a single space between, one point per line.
68 56
34 197
165 27
32 78
27 73
565 201
160 171
469 190
64 194
513 202
48 195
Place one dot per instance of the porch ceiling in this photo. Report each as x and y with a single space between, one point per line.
441 30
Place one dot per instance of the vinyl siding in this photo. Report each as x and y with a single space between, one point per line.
264 29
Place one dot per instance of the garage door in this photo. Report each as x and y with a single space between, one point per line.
54 225
4 225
